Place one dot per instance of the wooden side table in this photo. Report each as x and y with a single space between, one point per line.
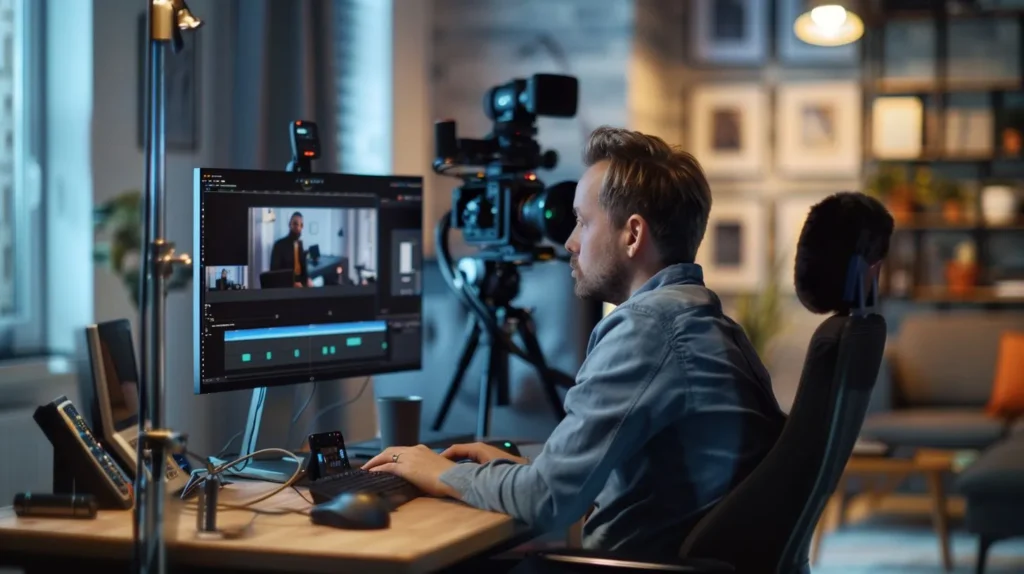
932 464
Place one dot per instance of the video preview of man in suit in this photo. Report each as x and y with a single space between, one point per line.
289 254
222 283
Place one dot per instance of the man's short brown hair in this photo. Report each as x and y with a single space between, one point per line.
661 183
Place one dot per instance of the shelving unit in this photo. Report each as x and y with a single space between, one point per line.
935 95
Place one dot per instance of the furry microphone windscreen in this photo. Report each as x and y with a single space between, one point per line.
829 239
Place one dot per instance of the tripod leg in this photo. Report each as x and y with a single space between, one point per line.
499 370
472 340
487 384
527 333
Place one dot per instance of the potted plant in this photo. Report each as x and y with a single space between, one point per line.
1011 135
952 199
890 186
760 313
962 270
118 244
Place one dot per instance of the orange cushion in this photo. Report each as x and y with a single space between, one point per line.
1008 388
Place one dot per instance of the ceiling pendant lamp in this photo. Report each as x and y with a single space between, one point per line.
829 23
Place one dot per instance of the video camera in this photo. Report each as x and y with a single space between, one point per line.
502 206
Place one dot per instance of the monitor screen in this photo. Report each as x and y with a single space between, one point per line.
116 354
305 277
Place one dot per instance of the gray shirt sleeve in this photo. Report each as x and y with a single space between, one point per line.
606 421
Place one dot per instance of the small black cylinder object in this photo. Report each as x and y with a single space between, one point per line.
399 419
206 517
445 145
27 504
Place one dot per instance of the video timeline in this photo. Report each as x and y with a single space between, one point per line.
303 345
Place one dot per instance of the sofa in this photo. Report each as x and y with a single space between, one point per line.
940 369
993 487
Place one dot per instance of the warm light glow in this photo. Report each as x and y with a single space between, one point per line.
830 18
829 25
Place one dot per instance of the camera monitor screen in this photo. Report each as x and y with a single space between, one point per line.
305 277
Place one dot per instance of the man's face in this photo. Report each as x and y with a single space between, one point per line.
599 262
295 226
224 274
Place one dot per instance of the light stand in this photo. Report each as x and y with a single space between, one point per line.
166 19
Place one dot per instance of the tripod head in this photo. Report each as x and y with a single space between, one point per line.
496 280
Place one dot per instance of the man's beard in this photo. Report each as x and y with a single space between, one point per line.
607 282
294 235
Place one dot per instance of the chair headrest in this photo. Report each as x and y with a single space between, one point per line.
843 242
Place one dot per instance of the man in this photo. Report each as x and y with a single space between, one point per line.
288 254
672 407
223 284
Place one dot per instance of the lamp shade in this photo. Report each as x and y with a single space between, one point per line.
829 23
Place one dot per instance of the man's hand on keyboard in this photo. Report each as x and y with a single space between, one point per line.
480 453
418 464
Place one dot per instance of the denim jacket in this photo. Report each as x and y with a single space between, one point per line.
671 409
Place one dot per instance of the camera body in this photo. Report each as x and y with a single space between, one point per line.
502 205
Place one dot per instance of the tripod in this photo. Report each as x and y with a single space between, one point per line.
498 285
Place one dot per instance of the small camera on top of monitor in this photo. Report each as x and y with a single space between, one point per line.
502 206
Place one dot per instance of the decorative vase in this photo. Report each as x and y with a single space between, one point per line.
998 205
1012 142
961 278
953 211
901 207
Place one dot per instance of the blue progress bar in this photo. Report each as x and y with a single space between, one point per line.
305 331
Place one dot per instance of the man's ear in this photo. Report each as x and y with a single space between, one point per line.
636 231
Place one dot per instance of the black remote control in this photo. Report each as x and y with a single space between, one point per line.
27 504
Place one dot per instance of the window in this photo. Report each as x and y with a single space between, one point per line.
21 235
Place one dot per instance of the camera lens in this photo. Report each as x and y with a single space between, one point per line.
549 212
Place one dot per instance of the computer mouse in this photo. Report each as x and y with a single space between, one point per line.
506 445
353 511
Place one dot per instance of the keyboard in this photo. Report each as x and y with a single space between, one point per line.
394 489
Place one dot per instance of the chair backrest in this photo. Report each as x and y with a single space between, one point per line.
765 524
277 279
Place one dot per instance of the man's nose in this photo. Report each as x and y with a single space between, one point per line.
570 244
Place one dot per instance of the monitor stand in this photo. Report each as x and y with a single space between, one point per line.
277 467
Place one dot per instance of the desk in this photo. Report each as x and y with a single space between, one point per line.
326 267
426 535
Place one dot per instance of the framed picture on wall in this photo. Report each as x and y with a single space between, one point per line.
897 127
790 215
730 129
793 50
734 253
819 129
729 31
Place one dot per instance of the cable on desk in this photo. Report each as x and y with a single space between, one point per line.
303 496
224 449
288 484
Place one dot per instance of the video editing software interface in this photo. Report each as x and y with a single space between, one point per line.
306 277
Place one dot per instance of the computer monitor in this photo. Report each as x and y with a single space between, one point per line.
352 310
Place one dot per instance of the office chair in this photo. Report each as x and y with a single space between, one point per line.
278 279
766 523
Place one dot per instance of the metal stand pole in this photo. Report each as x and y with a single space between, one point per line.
166 19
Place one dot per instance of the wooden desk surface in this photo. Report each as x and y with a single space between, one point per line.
426 534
